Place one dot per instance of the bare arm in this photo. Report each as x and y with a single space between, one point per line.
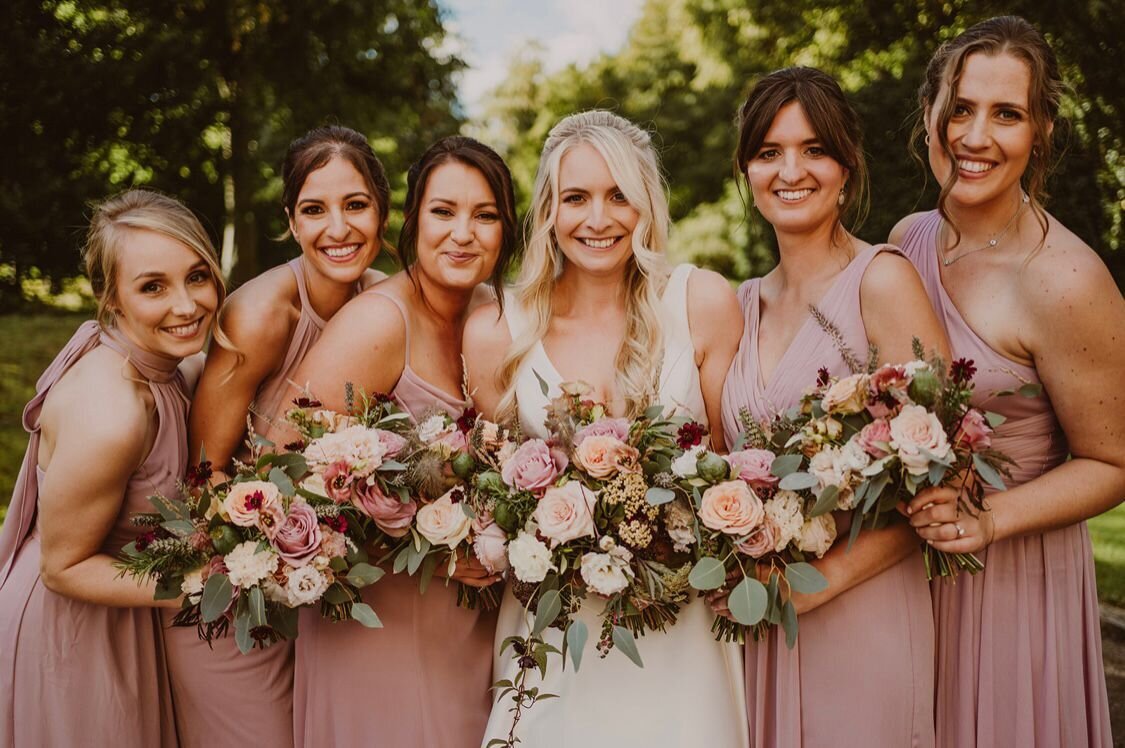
364 344
484 345
97 444
715 321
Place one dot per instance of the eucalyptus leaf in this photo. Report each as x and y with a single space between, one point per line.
337 594
657 495
804 578
429 566
256 602
414 562
748 601
576 636
401 559
773 609
797 481
548 609
293 463
653 412
169 589
170 509
281 479
362 575
542 384
789 623
1030 389
786 464
337 564
875 490
857 525
363 613
179 527
285 621
937 473
242 636
623 640
990 474
826 502
707 574
217 593
994 419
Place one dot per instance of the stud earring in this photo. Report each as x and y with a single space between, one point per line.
842 197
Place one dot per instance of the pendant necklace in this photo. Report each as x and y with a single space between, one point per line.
1024 200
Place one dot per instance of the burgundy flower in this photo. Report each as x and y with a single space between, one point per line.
307 402
144 540
297 446
339 523
457 495
690 434
382 398
963 370
198 475
822 376
467 420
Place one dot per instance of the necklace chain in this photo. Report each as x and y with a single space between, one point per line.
995 240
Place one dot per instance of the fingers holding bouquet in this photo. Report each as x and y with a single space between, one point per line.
939 519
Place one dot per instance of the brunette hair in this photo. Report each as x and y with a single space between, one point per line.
476 155
1004 34
316 148
833 119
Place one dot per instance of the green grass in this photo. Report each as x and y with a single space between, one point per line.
29 342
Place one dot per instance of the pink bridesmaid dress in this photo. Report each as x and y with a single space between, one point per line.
71 672
421 680
1019 652
861 672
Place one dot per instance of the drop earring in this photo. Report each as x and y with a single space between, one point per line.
842 197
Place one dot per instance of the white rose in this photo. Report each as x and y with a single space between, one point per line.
605 573
825 467
784 510
193 583
246 565
431 428
917 436
529 557
565 513
817 535
443 522
273 591
853 457
314 483
306 584
684 465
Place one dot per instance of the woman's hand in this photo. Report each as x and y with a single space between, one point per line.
470 572
935 514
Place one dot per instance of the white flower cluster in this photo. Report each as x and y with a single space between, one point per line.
610 572
784 510
246 565
305 585
530 558
358 447
840 467
684 466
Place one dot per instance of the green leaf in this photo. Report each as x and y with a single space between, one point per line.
546 611
707 574
429 566
256 602
937 473
262 441
773 610
281 479
362 575
415 561
789 623
392 466
169 589
857 525
805 578
401 559
797 481
623 640
653 412
337 594
363 613
170 509
542 383
337 564
285 621
1031 389
786 464
748 601
293 463
990 474
180 527
576 636
657 495
217 592
242 636
826 502
994 419
875 490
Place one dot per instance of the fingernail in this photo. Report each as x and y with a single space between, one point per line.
909 511
929 542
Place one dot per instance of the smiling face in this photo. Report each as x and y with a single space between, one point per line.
990 131
594 223
459 228
795 183
336 222
165 296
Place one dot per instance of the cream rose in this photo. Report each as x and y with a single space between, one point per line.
817 535
602 455
565 512
732 508
686 465
491 547
246 501
443 522
847 396
917 436
784 510
529 558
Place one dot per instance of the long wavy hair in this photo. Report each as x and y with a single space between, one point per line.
629 153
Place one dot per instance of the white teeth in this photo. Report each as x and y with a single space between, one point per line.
976 167
794 194
598 243
184 330
337 252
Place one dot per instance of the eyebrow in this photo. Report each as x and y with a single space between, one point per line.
348 196
807 141
157 274
447 201
997 105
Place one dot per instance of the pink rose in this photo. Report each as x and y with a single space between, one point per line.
732 508
454 440
753 466
917 435
491 546
974 431
247 499
298 538
338 480
602 455
390 514
392 441
875 438
615 427
889 377
566 512
532 467
762 541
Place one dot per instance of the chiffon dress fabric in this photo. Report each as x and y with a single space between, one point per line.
422 679
206 679
1019 654
690 691
861 671
72 672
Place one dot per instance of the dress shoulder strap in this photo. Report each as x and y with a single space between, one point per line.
297 265
514 314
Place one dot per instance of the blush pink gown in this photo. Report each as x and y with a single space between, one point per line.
1019 653
421 680
71 672
861 672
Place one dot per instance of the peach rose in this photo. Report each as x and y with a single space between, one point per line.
565 512
602 455
443 521
846 396
917 435
761 542
731 508
246 500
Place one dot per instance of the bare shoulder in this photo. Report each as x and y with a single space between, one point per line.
260 315
370 318
898 233
710 298
1065 272
486 327
370 277
886 273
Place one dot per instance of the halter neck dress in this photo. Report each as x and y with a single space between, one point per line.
861 672
422 679
690 691
72 672
1019 654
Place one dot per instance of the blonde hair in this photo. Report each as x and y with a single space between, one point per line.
632 160
143 210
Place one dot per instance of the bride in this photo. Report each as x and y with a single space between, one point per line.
596 301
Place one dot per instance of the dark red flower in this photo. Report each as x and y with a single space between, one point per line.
457 496
822 376
198 475
527 662
382 398
144 540
467 420
255 500
690 435
962 370
307 402
339 523
296 446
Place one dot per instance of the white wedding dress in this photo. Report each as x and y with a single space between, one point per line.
691 689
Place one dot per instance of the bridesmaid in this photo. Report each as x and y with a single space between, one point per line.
336 198
800 150
81 652
596 301
1019 659
424 678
